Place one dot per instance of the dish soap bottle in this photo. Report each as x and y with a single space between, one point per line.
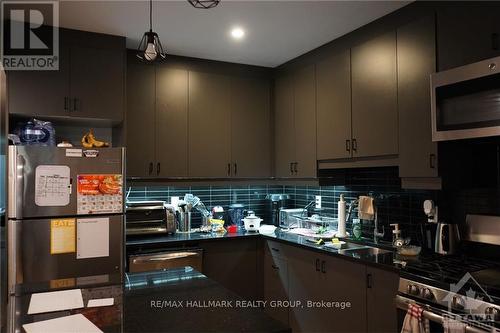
356 229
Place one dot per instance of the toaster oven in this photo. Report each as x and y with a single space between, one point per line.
149 218
291 217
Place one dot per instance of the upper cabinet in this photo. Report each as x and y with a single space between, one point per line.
209 125
467 32
140 129
89 84
250 127
416 61
295 124
333 98
374 97
171 122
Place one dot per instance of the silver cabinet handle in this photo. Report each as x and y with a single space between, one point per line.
158 168
235 169
432 161
291 168
348 145
229 169
150 168
354 145
296 167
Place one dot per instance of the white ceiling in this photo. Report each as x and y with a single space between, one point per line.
276 31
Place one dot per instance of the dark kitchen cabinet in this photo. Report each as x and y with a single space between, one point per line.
209 125
171 123
333 98
284 126
141 119
416 57
250 127
382 287
467 32
234 264
156 120
276 279
305 122
97 83
90 82
315 278
374 97
295 124
41 93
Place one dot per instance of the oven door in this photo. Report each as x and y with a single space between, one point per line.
435 316
465 101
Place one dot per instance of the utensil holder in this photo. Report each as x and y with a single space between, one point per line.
185 222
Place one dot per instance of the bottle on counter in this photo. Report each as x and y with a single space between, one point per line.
356 229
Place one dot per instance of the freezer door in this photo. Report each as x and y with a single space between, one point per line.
43 181
43 250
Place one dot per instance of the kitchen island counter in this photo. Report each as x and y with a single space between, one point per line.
175 300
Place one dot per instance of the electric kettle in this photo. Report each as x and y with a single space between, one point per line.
447 238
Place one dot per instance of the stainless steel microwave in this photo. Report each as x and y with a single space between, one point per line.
465 101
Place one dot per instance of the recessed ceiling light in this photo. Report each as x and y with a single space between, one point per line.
237 33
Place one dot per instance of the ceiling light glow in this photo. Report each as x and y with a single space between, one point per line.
237 33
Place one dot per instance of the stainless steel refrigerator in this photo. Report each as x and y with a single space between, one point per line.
65 216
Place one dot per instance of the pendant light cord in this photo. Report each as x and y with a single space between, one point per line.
150 15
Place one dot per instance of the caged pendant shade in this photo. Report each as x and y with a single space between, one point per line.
204 4
150 48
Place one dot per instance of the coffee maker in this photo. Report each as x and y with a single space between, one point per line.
275 202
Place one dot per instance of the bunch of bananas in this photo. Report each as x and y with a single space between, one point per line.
89 141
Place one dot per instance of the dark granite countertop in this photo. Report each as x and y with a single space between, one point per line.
185 237
384 260
175 300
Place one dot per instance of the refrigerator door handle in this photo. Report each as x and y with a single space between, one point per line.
16 183
13 254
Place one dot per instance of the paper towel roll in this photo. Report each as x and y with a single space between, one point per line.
341 215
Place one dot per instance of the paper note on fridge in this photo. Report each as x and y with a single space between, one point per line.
100 302
55 301
70 324
92 238
52 185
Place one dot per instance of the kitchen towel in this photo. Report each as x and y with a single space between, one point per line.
366 208
414 322
453 326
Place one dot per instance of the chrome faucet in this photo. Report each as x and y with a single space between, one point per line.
352 204
376 233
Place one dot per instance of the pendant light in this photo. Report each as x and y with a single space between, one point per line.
150 48
204 4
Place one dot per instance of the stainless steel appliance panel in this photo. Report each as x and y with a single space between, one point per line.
23 161
31 261
168 259
465 101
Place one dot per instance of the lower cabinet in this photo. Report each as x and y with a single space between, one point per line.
326 293
332 293
234 264
382 287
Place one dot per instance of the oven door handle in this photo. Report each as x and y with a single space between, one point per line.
164 256
403 302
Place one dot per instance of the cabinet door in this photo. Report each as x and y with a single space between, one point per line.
140 118
284 127
374 97
40 93
234 265
305 122
303 274
343 281
416 61
333 98
209 125
97 83
250 127
276 286
381 312
171 122
467 32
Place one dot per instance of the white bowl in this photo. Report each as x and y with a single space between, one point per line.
267 229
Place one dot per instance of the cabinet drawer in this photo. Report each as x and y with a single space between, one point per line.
275 249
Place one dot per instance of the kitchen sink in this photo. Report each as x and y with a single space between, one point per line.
364 250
